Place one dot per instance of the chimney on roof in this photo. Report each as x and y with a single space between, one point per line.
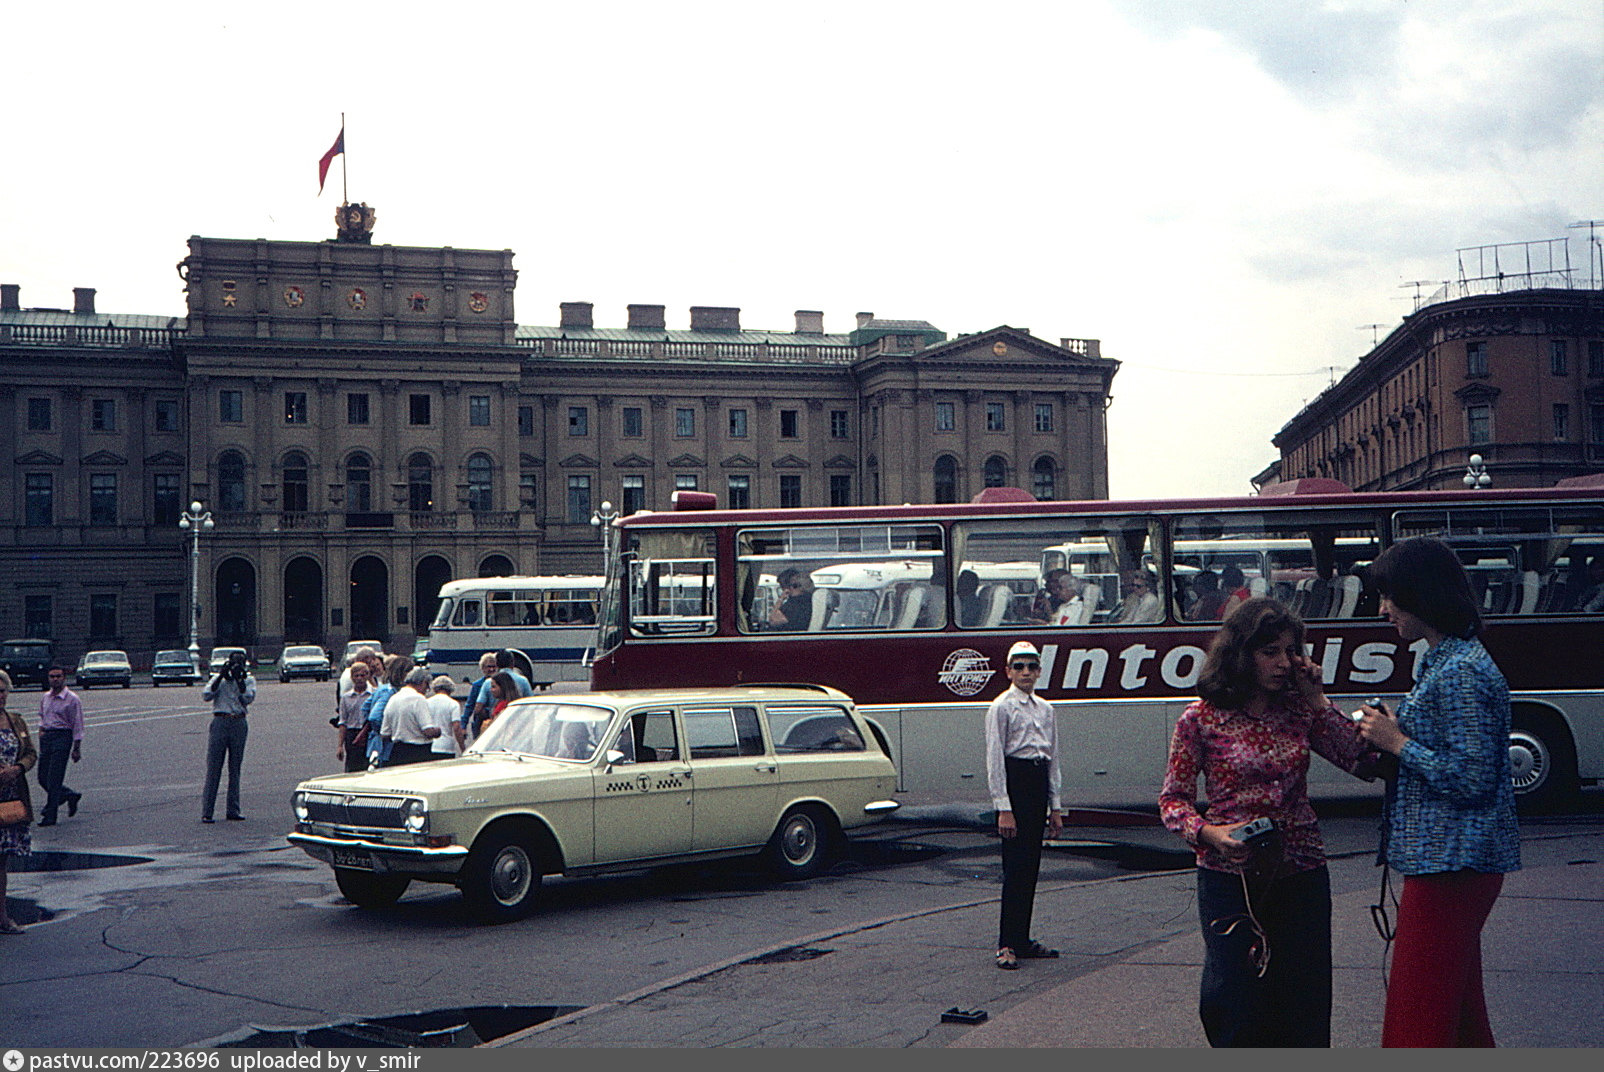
577 314
646 318
863 320
809 322
10 297
83 299
715 318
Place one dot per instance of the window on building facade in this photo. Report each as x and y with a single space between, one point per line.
526 421
37 618
294 407
166 620
946 477
840 489
1559 359
231 481
1044 416
359 484
1479 425
578 420
633 494
996 473
480 497
789 425
102 615
420 483
356 408
418 409
946 416
634 422
168 415
103 415
838 424
1595 357
296 484
996 417
529 491
790 491
1595 424
231 407
39 415
1562 421
737 424
740 488
1044 479
1475 359
164 498
684 481
479 411
579 500
39 500
684 422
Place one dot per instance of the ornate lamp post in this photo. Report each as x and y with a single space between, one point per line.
603 518
1476 475
196 521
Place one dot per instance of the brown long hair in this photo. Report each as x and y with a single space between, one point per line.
1228 680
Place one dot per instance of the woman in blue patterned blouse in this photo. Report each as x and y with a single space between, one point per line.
1450 826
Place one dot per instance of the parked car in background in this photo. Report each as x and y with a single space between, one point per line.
103 668
420 651
220 658
27 661
175 667
592 782
303 660
354 646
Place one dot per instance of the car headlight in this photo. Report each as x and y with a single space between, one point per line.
415 815
298 802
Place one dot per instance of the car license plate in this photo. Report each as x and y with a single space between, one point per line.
353 858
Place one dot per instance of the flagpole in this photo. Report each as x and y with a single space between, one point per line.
345 171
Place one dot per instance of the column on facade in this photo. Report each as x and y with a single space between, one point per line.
608 486
815 444
763 432
70 494
659 435
506 400
707 441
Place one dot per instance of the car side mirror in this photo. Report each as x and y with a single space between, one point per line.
614 757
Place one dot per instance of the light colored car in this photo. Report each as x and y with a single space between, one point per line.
220 657
593 782
103 668
303 660
175 665
354 646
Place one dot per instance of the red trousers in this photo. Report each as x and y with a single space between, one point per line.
1434 997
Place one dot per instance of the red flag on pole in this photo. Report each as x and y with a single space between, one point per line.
328 158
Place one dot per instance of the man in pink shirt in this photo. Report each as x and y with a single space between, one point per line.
61 735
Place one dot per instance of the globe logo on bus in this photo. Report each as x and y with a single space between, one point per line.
965 672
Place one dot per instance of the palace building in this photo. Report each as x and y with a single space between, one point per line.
365 422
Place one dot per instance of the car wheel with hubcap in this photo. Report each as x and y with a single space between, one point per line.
501 880
802 843
365 889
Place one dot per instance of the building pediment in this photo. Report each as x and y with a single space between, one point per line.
840 461
104 457
1004 343
738 461
38 457
1477 394
633 461
578 461
531 461
165 457
687 461
791 461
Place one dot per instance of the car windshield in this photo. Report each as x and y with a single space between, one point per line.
303 653
172 657
30 651
105 657
552 730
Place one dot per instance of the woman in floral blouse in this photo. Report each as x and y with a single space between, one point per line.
1450 826
1265 909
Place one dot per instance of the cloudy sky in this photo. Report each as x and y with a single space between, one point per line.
1227 193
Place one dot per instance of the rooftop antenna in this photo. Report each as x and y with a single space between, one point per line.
1418 283
1594 251
1374 338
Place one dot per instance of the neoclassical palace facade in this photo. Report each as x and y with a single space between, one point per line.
365 422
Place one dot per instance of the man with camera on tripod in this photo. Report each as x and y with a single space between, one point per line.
230 691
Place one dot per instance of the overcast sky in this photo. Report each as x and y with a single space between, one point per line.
1225 193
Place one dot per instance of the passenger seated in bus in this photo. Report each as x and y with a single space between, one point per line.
1061 599
1141 603
1209 601
1236 590
793 613
967 591
1591 600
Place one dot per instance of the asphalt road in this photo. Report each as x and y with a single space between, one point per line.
157 930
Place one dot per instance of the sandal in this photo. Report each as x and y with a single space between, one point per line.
1006 959
1036 951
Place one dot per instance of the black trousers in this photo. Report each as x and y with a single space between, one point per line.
1290 1004
1021 854
55 750
402 753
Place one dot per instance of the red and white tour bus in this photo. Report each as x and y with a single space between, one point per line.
910 610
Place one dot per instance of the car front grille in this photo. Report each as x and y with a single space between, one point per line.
354 811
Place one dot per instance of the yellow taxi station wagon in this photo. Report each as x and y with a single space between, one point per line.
593 782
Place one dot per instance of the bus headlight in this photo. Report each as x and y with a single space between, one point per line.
415 816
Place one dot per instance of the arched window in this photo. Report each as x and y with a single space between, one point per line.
996 472
480 500
1044 479
420 483
946 479
359 484
231 481
295 486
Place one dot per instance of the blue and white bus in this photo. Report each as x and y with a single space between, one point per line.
551 620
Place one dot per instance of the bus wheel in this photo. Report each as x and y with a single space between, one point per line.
368 890
501 880
802 843
1543 761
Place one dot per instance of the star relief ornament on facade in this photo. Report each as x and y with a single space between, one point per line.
357 298
294 297
478 301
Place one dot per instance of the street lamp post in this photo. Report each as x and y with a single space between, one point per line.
196 521
603 518
1476 475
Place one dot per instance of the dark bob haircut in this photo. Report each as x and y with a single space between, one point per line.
1423 576
1228 680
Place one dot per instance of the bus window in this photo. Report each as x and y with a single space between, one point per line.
442 618
467 614
1522 559
831 578
1314 566
1070 572
570 608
